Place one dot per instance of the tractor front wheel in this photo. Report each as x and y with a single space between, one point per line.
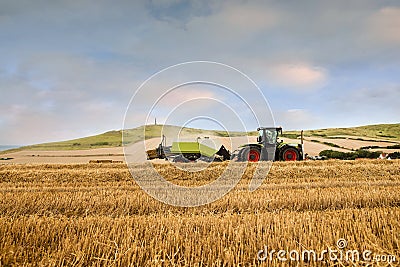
252 154
289 154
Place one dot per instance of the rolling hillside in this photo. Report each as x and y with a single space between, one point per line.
114 138
378 131
370 133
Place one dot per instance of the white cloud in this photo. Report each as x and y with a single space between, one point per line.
299 76
296 119
235 21
182 94
384 25
246 17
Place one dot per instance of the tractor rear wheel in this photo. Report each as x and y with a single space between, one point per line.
252 154
289 154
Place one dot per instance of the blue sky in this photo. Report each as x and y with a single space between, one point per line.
69 68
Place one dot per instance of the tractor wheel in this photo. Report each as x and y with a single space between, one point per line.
289 154
252 154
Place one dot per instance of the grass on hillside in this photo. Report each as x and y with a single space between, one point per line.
379 131
114 138
372 133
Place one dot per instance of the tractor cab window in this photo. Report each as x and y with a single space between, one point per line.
268 135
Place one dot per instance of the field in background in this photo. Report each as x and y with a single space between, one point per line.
114 138
96 215
108 146
369 133
378 131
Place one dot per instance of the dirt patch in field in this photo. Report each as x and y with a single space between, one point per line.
64 156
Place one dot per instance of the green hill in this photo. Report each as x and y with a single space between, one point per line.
377 131
114 138
381 131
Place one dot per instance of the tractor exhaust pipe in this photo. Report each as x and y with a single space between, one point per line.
302 142
302 137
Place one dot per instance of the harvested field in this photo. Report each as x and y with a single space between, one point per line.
96 215
353 144
64 156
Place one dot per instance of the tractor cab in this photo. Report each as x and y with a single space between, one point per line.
268 135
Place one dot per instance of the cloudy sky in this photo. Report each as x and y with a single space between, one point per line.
69 68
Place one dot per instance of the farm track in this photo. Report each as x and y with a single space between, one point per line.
96 214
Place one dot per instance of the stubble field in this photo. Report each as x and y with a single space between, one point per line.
96 215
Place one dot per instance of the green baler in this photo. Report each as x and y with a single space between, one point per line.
193 148
186 151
